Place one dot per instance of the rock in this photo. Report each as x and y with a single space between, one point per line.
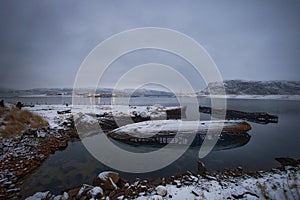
161 190
156 181
196 193
156 197
116 194
107 180
96 191
286 161
201 168
82 191
163 181
40 134
65 196
187 183
13 190
240 168
2 103
62 144
64 112
178 185
38 195
128 192
58 197
211 178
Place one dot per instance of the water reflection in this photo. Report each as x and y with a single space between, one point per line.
227 140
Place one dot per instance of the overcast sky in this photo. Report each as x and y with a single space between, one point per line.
43 43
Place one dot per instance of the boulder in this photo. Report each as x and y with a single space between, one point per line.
107 180
95 192
2 104
161 190
201 168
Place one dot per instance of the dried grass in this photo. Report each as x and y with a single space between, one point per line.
16 121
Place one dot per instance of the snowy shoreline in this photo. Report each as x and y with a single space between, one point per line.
279 183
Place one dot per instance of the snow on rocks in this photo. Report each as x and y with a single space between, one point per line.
87 117
38 196
282 183
95 191
161 190
65 196
22 154
156 197
107 180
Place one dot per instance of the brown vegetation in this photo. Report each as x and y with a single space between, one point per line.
15 121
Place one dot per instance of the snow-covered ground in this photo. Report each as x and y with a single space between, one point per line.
274 184
49 112
279 185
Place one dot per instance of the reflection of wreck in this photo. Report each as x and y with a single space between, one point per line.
177 132
257 117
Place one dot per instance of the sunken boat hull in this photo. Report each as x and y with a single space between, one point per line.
257 117
108 122
177 132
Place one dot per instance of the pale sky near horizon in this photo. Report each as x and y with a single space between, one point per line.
43 43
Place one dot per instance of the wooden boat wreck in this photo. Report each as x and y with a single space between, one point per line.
162 132
109 122
257 117
176 113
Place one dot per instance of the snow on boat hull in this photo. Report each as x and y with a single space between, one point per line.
178 132
227 140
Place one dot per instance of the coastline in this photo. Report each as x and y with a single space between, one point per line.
276 183
39 144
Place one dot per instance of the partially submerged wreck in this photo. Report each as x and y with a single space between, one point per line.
176 113
163 132
109 122
257 117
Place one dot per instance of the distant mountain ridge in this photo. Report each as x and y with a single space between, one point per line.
68 91
242 87
232 87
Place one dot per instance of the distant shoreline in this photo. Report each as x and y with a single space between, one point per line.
229 96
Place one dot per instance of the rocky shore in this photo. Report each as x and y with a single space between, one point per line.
279 183
23 153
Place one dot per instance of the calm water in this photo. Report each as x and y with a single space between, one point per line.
75 165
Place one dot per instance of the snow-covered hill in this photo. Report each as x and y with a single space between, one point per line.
241 87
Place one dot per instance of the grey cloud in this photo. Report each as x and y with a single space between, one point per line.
42 43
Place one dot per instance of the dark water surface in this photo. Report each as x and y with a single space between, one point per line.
75 165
